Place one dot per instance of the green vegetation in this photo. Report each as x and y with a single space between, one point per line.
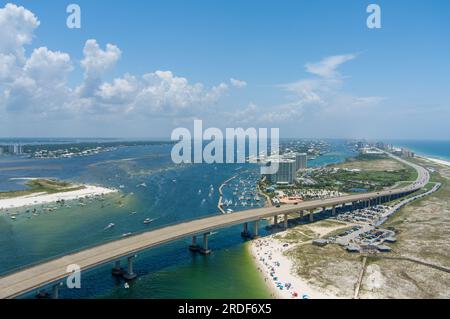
294 236
442 195
48 186
363 173
337 232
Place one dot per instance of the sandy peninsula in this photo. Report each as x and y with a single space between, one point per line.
45 198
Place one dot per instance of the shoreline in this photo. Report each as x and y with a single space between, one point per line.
436 160
268 254
45 198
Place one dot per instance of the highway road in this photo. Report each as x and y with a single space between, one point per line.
23 281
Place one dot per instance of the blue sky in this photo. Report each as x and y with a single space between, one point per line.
311 68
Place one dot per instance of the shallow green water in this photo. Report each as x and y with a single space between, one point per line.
172 194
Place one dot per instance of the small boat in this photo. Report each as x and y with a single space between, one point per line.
133 213
127 234
148 220
111 225
121 186
13 217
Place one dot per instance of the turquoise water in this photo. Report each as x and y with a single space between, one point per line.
153 187
435 149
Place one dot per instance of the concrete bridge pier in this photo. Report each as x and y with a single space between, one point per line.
245 233
275 220
205 250
333 211
311 216
130 274
285 221
194 246
117 270
55 291
255 229
302 214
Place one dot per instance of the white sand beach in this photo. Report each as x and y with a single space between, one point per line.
277 271
438 161
44 198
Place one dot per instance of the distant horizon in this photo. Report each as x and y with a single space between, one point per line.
163 139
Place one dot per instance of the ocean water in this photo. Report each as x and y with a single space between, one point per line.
434 149
153 187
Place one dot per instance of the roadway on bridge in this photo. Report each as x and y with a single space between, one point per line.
26 280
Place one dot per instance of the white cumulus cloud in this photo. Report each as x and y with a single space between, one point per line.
238 83
17 25
97 61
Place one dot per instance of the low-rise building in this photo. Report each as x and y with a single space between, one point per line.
320 242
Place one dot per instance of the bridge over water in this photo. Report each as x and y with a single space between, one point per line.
29 279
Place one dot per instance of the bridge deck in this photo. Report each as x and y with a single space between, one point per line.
26 280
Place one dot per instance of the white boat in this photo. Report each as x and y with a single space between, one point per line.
148 220
127 234
111 225
133 213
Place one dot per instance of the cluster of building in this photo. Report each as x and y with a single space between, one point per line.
373 149
288 166
361 239
13 149
373 215
372 241
68 153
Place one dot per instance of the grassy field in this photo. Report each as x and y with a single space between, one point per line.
422 231
365 174
371 163
48 186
